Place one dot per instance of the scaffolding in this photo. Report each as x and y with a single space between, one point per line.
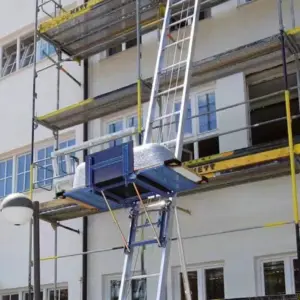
97 25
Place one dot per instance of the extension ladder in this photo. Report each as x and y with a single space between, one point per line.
171 78
171 81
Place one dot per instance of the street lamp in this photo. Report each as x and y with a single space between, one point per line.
18 209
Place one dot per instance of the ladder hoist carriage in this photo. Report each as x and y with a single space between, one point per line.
152 168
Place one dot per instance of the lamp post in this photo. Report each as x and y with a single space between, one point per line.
18 209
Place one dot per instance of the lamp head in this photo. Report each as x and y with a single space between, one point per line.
17 209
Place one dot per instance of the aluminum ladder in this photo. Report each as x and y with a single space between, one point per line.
171 77
171 81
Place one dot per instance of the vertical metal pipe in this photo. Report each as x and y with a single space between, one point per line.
34 96
292 10
290 132
36 251
187 292
55 262
139 82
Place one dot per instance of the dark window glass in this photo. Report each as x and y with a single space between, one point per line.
193 281
274 278
297 274
214 282
138 290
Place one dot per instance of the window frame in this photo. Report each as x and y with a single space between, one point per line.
200 268
288 272
25 172
107 278
14 159
109 121
6 177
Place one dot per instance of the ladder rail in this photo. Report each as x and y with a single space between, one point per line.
155 84
186 84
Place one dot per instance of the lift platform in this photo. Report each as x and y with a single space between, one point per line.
217 171
101 24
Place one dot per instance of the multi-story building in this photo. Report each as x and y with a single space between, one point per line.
237 64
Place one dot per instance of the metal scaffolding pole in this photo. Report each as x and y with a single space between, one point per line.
290 132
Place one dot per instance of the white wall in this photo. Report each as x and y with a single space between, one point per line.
226 209
229 27
231 90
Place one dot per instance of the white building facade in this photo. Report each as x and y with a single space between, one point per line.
229 265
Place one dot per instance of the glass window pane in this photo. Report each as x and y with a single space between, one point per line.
64 294
188 122
27 165
9 167
214 280
296 274
274 278
51 295
114 289
71 143
2 188
20 183
8 186
14 297
21 164
138 290
2 169
41 154
27 181
6 297
193 281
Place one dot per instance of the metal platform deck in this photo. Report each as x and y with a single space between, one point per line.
94 108
64 209
100 24
222 170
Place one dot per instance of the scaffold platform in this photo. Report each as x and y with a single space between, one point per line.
217 171
93 108
101 24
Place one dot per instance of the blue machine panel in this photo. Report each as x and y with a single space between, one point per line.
109 165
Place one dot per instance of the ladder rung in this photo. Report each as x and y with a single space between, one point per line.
173 89
146 225
180 21
178 3
166 116
174 65
143 276
177 42
143 243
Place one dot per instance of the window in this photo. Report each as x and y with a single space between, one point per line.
115 127
43 49
119 125
9 59
6 175
62 160
10 297
23 173
25 295
138 289
26 51
123 46
206 283
275 275
188 122
62 294
206 111
44 169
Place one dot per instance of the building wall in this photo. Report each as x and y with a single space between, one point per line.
226 209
